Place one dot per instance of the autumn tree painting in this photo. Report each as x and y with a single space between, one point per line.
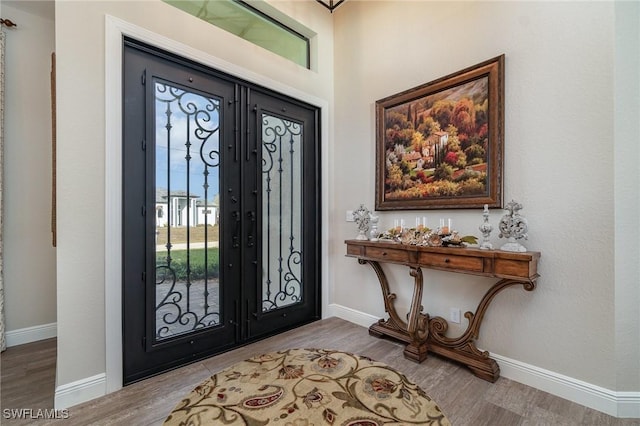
438 147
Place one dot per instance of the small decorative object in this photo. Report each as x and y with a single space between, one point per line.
408 236
412 236
486 228
434 240
362 217
446 227
423 236
513 227
373 233
398 224
395 233
455 240
421 223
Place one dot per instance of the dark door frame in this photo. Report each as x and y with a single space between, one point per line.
247 112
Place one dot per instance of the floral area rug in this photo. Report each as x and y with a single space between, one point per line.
307 387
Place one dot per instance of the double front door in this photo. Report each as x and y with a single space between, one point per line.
220 212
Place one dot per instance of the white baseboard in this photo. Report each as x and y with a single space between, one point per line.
351 315
80 391
31 334
617 404
629 405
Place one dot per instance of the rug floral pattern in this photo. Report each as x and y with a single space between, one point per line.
307 387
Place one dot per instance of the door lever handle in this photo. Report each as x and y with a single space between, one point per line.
236 233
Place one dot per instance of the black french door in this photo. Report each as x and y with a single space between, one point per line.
220 212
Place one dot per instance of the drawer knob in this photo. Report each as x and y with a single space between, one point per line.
447 260
384 253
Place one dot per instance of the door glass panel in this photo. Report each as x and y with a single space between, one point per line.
282 212
187 172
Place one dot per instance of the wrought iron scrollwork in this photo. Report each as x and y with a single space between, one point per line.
173 314
281 170
186 300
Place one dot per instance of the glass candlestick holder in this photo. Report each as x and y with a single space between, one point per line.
446 226
373 232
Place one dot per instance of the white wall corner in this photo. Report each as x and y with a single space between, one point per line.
80 391
31 334
617 404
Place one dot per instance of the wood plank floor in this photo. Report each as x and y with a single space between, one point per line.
28 374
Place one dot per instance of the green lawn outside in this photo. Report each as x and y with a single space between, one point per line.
197 261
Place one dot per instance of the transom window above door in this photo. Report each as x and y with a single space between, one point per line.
251 24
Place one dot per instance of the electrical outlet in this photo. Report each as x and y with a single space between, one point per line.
454 315
350 217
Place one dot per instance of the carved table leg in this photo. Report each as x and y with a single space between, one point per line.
414 332
463 348
424 334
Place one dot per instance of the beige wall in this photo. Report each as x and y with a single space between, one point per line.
80 41
29 257
559 162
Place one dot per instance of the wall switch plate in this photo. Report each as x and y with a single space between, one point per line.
454 315
349 217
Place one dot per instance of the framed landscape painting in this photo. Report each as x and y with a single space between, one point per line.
440 145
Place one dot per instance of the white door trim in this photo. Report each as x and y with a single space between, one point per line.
115 30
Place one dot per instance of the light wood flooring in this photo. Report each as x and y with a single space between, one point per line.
28 375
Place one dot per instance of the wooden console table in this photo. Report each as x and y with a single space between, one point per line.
427 334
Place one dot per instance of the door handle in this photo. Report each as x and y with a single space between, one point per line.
236 233
251 215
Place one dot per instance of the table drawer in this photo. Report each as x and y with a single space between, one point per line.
386 254
515 268
449 261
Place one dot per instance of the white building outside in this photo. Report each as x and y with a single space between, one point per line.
182 208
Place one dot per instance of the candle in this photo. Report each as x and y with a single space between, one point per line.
445 228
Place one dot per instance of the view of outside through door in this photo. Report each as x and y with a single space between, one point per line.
282 212
187 206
